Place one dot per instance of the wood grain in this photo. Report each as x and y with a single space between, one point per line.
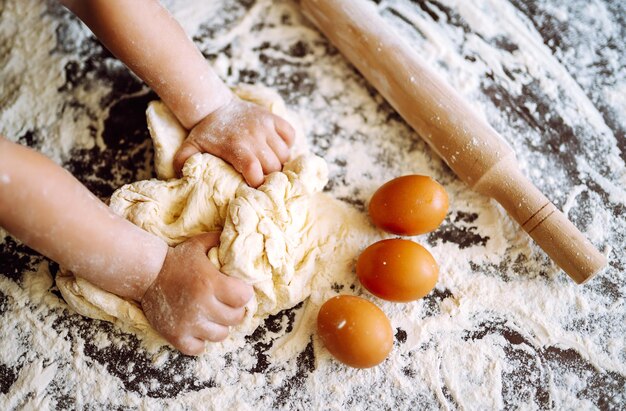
466 142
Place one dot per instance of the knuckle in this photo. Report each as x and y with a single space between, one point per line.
250 166
268 121
205 289
239 145
248 159
242 155
260 136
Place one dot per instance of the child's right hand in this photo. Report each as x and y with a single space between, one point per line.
190 301
252 139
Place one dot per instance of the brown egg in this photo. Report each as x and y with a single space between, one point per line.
409 205
355 331
397 270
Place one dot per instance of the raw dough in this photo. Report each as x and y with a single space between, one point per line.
284 238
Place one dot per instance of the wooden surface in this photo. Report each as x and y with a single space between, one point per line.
440 115
564 154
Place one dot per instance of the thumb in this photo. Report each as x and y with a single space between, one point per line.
185 151
207 240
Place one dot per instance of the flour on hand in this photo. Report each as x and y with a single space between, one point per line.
277 238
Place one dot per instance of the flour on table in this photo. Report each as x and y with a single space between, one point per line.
503 328
278 238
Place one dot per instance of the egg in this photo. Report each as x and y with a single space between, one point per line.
409 205
397 270
355 331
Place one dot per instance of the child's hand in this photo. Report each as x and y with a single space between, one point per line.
249 137
191 301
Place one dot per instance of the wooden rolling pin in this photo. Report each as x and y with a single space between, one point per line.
472 149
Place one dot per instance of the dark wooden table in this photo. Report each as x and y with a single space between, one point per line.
549 75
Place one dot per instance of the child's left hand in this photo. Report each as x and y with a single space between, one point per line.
253 140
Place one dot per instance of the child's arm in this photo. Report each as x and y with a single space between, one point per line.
185 298
50 211
150 42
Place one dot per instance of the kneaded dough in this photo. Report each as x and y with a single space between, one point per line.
280 238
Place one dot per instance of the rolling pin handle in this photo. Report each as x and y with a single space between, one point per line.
468 144
548 226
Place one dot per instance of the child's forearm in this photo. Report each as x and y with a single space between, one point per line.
50 211
150 42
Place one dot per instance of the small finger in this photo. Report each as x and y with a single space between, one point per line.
279 147
189 345
210 331
223 314
185 151
285 130
269 160
234 292
250 167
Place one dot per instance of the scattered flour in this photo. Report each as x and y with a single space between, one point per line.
504 327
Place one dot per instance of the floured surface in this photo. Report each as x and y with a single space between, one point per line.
504 328
276 238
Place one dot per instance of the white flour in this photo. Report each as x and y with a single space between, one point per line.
504 326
